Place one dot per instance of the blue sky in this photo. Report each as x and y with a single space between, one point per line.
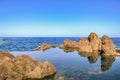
54 18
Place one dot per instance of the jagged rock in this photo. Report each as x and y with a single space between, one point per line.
95 42
45 46
84 46
108 48
23 67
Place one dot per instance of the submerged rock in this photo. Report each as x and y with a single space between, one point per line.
108 48
45 46
23 67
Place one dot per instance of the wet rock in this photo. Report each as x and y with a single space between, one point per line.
23 67
45 46
108 48
95 42
84 46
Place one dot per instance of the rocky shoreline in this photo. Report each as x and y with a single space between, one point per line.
23 67
92 44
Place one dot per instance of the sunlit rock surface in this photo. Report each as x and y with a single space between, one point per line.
108 48
91 45
45 46
95 42
23 67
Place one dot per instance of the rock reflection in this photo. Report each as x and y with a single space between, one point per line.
106 62
93 57
69 50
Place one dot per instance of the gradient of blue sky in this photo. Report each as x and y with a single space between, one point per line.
59 18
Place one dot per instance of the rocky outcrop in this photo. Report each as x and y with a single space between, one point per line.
23 67
84 46
95 42
68 44
91 45
108 48
45 46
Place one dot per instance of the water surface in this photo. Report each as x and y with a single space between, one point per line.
69 65
78 66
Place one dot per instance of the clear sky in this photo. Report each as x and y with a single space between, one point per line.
54 18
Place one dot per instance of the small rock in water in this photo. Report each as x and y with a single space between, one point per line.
45 46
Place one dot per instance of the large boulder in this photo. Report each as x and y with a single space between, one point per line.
45 46
84 46
108 48
95 42
24 67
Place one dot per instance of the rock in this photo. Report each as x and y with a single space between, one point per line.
5 56
95 42
108 48
68 44
84 46
23 67
45 46
91 45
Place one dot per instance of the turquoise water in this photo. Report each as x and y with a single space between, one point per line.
78 66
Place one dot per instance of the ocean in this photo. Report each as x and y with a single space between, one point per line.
69 65
30 43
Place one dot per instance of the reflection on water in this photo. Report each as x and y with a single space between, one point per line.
106 62
93 58
71 65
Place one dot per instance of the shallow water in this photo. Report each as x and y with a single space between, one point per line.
78 66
